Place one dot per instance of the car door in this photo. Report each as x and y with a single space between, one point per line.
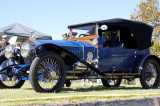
110 59
129 59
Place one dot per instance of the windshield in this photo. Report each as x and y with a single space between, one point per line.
84 31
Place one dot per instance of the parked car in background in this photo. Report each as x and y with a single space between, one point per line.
110 50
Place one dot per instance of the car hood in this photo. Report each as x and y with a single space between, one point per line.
62 43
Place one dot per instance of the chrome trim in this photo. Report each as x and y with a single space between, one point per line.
97 26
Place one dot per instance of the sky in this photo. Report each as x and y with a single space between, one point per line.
53 16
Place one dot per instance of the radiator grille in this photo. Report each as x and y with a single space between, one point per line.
76 52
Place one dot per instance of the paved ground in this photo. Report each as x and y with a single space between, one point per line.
154 101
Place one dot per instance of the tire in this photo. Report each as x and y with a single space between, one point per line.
8 81
150 74
44 69
111 83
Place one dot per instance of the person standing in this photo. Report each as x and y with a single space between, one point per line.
34 37
84 80
3 44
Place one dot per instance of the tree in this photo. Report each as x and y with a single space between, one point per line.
148 12
155 49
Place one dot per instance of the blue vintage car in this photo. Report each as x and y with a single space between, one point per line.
110 50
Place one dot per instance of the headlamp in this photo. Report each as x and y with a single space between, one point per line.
9 51
25 49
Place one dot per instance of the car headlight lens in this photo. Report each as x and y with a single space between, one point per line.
25 49
9 51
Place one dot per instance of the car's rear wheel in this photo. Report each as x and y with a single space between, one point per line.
47 72
111 82
150 74
9 81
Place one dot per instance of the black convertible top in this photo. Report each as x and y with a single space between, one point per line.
142 32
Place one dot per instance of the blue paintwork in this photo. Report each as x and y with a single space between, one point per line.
118 59
64 43
110 59
20 68
2 49
79 48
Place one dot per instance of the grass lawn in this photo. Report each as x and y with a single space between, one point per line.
26 94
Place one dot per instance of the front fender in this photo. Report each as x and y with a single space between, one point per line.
63 52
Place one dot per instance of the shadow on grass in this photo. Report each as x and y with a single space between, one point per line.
28 88
95 88
99 88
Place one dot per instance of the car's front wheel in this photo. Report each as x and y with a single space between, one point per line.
150 74
47 72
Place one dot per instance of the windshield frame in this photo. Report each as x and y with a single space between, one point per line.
85 38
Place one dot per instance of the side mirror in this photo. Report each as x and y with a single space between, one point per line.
65 36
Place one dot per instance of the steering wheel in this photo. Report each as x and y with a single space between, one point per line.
83 35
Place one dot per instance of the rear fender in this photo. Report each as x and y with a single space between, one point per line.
142 61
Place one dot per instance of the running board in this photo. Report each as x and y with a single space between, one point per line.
79 72
98 77
122 74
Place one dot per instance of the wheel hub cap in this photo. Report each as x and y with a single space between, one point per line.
53 74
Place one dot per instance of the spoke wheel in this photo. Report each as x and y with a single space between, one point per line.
9 81
47 73
111 82
150 74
